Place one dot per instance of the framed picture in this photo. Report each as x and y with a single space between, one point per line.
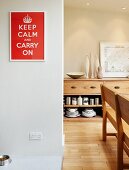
114 59
27 36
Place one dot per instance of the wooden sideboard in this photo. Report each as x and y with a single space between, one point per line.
91 88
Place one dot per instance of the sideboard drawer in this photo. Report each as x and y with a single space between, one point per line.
82 87
118 86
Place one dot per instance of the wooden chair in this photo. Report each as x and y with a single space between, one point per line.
122 116
109 110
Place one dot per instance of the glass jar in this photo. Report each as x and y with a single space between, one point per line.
85 100
74 101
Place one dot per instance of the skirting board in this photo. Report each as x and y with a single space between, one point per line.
34 163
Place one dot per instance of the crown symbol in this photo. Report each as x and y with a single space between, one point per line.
27 19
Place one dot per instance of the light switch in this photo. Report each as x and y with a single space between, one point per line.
35 136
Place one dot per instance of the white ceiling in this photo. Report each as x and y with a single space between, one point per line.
108 5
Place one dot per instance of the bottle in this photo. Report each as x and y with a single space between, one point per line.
79 100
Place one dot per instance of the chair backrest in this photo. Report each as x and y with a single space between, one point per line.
108 96
123 107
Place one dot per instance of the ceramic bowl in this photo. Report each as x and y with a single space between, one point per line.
75 75
89 113
72 110
4 160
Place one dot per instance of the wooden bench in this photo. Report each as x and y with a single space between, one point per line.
115 108
109 110
122 117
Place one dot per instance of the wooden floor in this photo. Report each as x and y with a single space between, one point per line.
84 148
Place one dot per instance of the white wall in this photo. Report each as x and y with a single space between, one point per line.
84 29
31 92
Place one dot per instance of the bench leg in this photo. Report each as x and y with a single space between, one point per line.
120 153
104 128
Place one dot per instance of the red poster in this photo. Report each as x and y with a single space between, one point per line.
27 36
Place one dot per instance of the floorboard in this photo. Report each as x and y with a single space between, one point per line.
84 148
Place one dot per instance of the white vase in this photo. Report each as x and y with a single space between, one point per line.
100 73
87 66
96 65
92 65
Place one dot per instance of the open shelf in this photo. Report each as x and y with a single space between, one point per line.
83 106
83 119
